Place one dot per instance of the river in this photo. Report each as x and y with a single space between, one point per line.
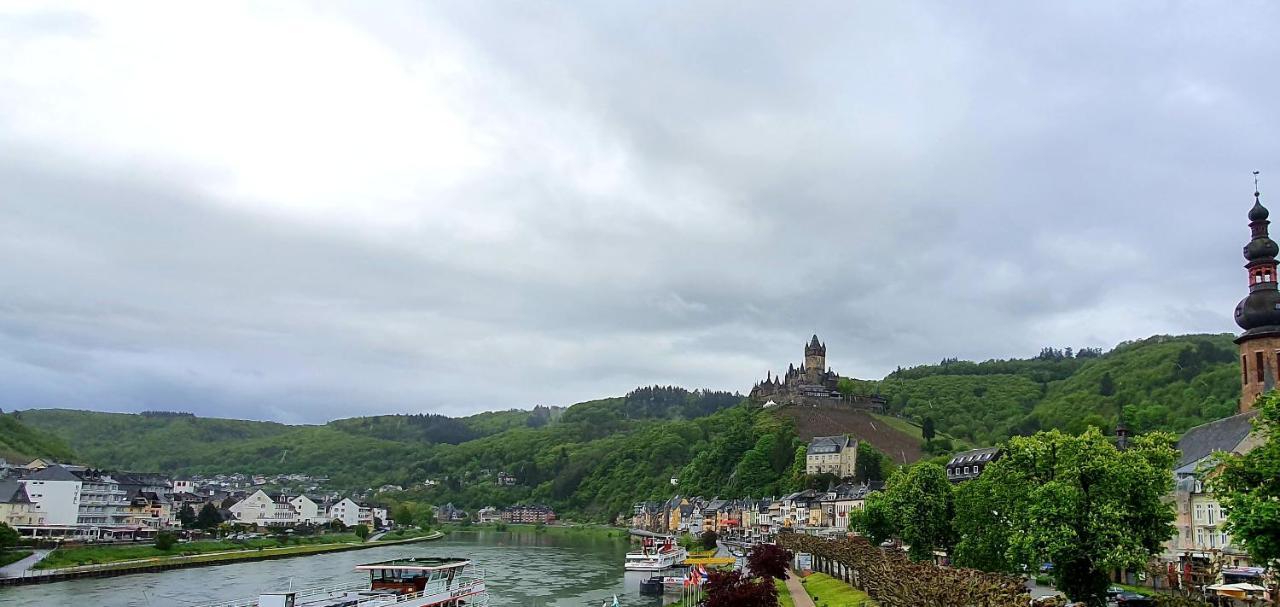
522 568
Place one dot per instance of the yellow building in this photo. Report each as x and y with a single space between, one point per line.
16 508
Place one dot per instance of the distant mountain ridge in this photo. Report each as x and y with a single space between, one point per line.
594 459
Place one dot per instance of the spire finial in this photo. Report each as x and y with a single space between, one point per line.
1256 192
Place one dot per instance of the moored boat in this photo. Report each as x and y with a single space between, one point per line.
411 582
656 554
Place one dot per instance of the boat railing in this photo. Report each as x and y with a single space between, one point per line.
336 590
461 582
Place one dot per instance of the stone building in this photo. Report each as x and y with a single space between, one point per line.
813 383
836 455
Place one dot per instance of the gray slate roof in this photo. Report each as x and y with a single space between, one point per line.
52 473
1220 435
829 444
12 492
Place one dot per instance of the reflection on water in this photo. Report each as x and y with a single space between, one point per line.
528 569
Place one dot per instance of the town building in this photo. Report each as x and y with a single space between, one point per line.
345 510
836 455
488 514
16 508
267 510
967 465
56 492
529 514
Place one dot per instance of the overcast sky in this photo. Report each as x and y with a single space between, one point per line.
308 211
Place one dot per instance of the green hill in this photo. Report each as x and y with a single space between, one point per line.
21 443
1163 383
594 459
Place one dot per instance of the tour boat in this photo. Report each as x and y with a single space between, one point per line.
655 555
411 582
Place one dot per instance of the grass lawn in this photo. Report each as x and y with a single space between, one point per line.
1143 590
12 556
827 591
95 555
784 595
913 429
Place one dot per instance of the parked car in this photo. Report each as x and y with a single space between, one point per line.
1133 599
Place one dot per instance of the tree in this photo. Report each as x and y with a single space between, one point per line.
165 541
733 589
187 516
927 430
337 525
769 561
875 520
1074 501
1106 385
362 531
922 506
1249 487
209 517
871 464
709 539
8 536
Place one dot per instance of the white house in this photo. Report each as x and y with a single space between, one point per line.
56 492
346 511
307 511
184 486
266 510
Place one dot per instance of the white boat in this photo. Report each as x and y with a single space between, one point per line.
411 582
656 554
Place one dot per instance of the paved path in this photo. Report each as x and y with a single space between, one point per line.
798 595
16 569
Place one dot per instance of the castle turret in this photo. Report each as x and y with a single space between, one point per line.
1259 312
815 356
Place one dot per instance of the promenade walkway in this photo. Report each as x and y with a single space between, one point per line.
16 568
798 595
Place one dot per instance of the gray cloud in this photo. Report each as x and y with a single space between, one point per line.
454 208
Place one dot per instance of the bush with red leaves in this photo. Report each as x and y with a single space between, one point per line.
732 589
769 560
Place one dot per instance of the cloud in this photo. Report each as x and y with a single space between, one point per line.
308 211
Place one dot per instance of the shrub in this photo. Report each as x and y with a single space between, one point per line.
166 541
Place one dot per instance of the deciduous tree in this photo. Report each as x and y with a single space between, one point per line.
733 589
187 516
8 536
209 517
1074 501
921 506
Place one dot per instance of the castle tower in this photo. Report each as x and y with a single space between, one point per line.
815 357
1259 312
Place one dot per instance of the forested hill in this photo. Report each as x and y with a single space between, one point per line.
594 459
1162 383
20 443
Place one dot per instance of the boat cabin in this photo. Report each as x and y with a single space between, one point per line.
407 576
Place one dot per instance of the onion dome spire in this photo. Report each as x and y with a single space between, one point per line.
1259 312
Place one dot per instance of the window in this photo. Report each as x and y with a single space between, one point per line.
1224 540
1200 537
1199 513
1244 368
1257 359
1209 512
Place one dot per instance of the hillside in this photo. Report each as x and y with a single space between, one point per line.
21 443
594 459
812 421
1164 383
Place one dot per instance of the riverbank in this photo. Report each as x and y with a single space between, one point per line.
149 565
603 531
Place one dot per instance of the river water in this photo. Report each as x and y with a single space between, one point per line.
524 568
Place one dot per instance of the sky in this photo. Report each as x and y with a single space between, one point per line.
307 211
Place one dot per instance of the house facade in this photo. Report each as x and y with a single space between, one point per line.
836 455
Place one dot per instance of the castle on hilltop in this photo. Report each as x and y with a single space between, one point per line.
813 383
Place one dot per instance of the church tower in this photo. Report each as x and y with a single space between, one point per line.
1259 313
815 357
